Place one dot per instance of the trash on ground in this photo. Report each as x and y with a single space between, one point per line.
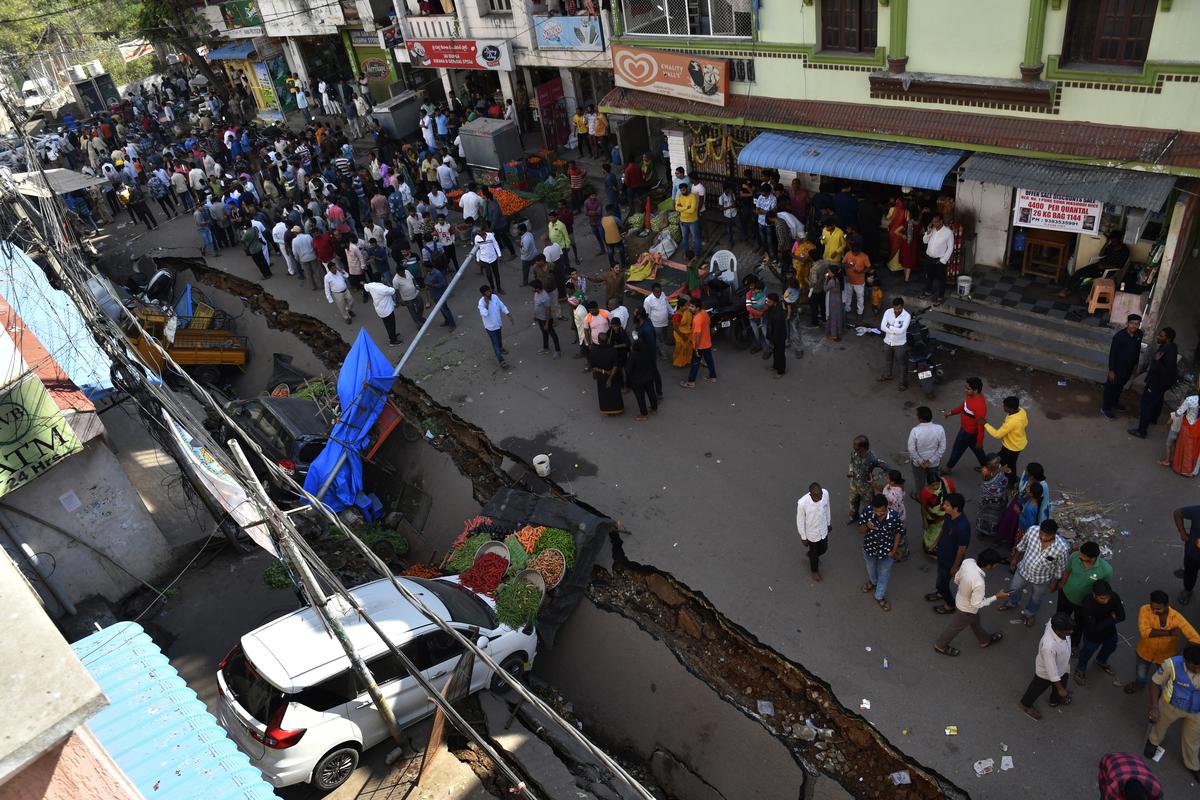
868 649
952 730
901 778
985 767
1006 763
1158 754
1062 383
865 705
885 663
766 708
1003 747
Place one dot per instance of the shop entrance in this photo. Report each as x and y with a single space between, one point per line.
324 62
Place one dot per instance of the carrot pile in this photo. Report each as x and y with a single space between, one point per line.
529 535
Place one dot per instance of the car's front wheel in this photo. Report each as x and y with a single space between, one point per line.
335 767
513 666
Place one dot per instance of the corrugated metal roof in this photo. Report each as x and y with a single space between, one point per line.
1085 141
156 729
855 159
1122 187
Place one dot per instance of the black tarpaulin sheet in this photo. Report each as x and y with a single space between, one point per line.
511 508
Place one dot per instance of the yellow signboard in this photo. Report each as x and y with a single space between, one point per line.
34 436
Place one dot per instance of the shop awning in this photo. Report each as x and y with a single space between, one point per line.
1122 187
236 51
62 181
854 159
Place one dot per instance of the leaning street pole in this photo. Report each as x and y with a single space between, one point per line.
408 352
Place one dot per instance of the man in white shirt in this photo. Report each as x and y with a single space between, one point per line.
970 598
337 291
471 203
939 246
491 308
303 252
814 525
658 311
410 295
487 253
383 297
926 446
279 237
447 177
894 325
1051 667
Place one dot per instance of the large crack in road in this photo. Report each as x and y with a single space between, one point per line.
822 735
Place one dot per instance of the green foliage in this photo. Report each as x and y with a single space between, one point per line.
276 576
372 534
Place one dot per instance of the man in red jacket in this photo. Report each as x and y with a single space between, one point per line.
633 184
972 415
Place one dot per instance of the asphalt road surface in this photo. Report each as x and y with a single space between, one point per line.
707 489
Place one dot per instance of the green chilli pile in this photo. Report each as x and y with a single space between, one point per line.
560 540
517 603
463 556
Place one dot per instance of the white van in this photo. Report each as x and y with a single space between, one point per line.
291 702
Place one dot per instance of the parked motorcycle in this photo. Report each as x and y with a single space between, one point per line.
923 361
727 310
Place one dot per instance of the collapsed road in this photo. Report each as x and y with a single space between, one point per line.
825 739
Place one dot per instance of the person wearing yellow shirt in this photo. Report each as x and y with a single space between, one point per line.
1011 434
687 204
559 235
581 131
834 242
1160 627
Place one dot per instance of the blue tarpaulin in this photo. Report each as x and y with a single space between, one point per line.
363 385
854 159
55 320
184 306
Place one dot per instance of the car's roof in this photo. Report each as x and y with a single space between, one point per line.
298 414
295 651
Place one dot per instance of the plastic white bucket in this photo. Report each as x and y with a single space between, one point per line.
964 285
541 465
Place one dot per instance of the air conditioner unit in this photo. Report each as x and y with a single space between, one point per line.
95 68
76 73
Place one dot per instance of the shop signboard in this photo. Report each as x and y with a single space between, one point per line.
264 92
1053 212
34 436
568 33
701 80
393 37
493 54
240 14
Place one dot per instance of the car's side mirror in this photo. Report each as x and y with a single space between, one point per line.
483 642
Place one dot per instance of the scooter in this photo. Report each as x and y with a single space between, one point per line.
727 311
922 357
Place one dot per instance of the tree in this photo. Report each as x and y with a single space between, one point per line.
175 22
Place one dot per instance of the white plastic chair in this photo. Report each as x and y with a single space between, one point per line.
723 261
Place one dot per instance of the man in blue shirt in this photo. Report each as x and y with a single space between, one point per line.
442 120
378 255
435 282
491 307
951 550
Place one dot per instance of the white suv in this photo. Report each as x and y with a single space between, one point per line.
291 702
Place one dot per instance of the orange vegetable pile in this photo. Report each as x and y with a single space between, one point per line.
422 571
529 535
469 527
510 202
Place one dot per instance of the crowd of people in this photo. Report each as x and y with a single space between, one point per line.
379 226
1015 527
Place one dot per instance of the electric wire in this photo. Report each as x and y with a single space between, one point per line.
107 328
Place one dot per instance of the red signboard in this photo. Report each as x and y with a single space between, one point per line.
494 54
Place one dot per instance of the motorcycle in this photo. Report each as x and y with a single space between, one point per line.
727 311
923 360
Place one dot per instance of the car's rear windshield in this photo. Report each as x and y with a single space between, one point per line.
249 689
463 605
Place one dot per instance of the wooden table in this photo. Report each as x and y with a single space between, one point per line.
1046 253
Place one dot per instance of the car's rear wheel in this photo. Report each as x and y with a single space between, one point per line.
513 666
335 767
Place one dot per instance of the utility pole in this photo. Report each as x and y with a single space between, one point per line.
316 595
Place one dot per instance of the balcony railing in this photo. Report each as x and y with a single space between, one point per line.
436 26
726 19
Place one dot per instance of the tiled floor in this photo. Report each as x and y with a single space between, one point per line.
1026 293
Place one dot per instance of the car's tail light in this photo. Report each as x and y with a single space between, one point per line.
275 737
287 466
225 661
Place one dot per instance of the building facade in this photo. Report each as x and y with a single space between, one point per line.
1053 121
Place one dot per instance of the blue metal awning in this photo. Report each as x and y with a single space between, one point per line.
237 51
156 729
854 159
